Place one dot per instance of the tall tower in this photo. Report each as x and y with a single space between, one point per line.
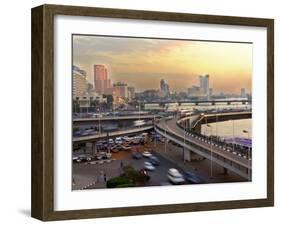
102 83
164 87
204 84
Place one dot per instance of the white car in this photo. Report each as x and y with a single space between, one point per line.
175 177
149 166
111 141
118 140
146 154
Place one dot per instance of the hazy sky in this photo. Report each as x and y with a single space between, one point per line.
143 62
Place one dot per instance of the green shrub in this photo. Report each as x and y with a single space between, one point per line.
117 181
125 185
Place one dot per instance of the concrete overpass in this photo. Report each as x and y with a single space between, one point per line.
115 118
203 147
111 134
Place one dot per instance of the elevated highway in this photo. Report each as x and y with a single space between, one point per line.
111 134
203 147
114 118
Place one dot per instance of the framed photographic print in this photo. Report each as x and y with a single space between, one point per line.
141 112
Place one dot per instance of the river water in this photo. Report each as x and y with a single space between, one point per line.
229 129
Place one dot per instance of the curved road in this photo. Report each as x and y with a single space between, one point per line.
172 127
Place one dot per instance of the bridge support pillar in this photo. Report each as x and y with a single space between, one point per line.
187 155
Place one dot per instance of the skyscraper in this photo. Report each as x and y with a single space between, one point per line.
204 84
164 87
243 93
102 83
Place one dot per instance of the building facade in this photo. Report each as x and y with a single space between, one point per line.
120 90
79 81
243 93
87 99
131 92
101 81
164 88
204 84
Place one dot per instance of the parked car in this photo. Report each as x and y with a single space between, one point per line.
111 141
98 157
146 154
136 155
114 149
192 178
149 166
83 158
175 177
76 159
126 147
118 140
108 155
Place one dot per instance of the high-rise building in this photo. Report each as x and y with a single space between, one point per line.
79 82
243 93
195 91
102 83
120 90
131 92
164 87
204 84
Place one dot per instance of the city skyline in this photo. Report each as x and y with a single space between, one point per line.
138 61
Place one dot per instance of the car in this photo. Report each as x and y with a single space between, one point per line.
89 159
83 158
126 147
146 154
98 157
149 166
127 139
84 134
175 177
105 155
135 141
110 141
76 159
154 160
192 178
136 155
108 155
118 140
114 149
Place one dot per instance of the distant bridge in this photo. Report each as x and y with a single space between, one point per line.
197 102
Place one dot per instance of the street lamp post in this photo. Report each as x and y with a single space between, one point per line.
99 121
211 150
248 135
139 113
165 137
216 122
184 133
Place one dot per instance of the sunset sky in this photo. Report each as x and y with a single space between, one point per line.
143 62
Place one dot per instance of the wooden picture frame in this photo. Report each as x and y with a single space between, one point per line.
42 203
